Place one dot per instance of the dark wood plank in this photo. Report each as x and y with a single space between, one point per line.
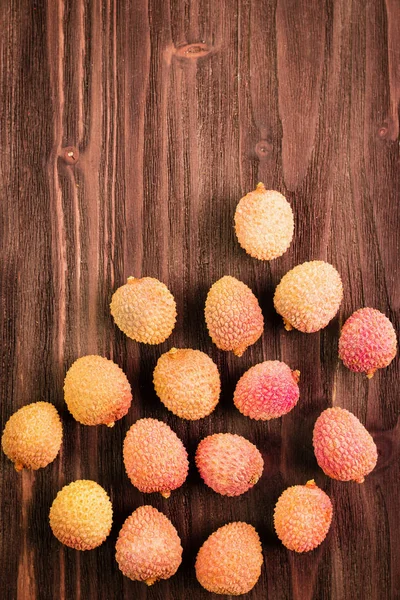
301 95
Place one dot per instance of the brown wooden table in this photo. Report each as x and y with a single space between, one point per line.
129 131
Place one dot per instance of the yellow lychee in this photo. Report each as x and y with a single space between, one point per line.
230 560
233 315
309 296
187 382
264 223
32 436
144 309
81 515
302 517
97 391
148 547
155 458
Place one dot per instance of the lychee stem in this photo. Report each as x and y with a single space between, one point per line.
131 280
296 375
150 581
287 325
254 479
18 467
311 484
239 351
173 351
110 424
165 494
371 373
260 187
360 479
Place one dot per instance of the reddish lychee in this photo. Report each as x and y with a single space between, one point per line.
343 447
155 458
367 341
148 546
267 390
228 463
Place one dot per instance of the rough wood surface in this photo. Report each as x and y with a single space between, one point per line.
173 110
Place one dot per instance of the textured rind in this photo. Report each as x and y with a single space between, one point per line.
81 515
302 517
144 309
97 391
233 315
230 560
155 458
228 463
267 390
148 546
367 341
187 383
343 447
32 436
264 223
309 296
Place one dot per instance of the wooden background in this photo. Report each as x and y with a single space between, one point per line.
173 110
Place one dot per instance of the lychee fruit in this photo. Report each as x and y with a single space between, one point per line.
267 390
81 515
144 309
233 315
302 517
97 391
187 383
148 546
155 458
230 560
367 341
32 436
343 447
309 296
228 463
264 223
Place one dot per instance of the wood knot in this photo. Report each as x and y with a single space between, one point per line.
389 129
383 131
263 149
70 154
193 50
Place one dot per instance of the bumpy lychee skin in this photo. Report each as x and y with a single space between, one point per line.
148 546
302 517
233 315
155 458
264 223
32 436
187 383
230 560
81 515
228 463
97 391
309 296
144 309
343 447
367 341
267 390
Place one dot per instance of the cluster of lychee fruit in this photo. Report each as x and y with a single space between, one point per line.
188 383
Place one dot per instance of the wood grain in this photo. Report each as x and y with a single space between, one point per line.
172 111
